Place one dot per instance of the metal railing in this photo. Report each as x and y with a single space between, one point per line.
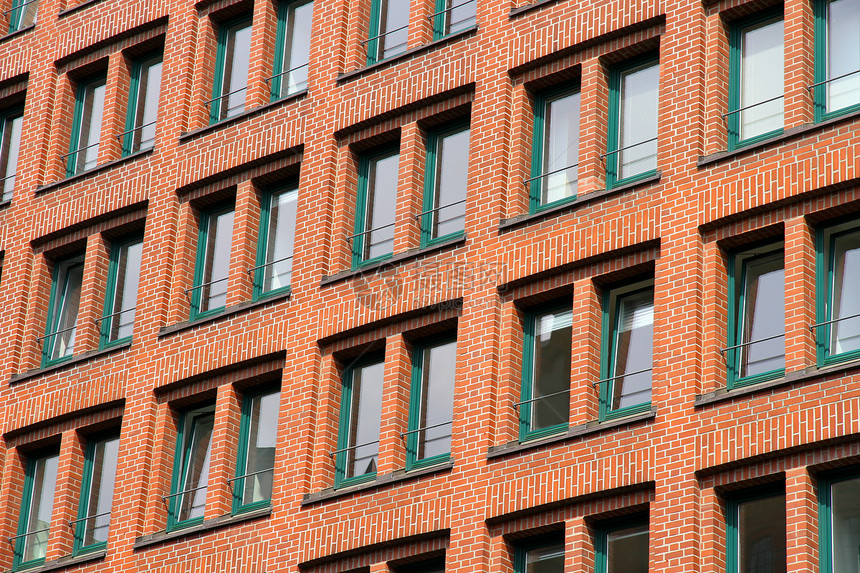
746 107
382 35
816 84
41 338
166 497
79 149
427 212
19 6
548 173
333 453
132 130
89 517
222 96
98 320
351 237
188 290
8 177
625 148
518 404
285 72
404 434
826 322
454 7
20 535
237 478
741 345
264 265
626 374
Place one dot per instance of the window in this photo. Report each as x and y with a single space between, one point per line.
58 343
10 147
555 150
22 14
431 404
389 23
293 48
837 60
444 213
839 523
453 16
756 80
209 291
86 126
633 104
838 335
37 505
545 405
628 348
91 527
252 487
191 468
375 207
142 105
540 558
231 70
276 241
121 296
623 548
434 566
756 349
756 534
360 419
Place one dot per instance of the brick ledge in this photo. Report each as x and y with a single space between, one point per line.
208 525
16 378
226 313
66 561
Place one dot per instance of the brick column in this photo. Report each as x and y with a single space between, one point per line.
67 496
801 515
243 249
799 62
594 121
395 404
263 30
578 545
93 289
225 444
521 141
585 352
116 104
410 188
712 525
799 295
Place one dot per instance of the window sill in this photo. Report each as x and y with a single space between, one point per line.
77 7
16 33
529 7
18 378
227 312
393 260
522 220
586 429
346 76
93 171
380 481
64 562
208 525
187 135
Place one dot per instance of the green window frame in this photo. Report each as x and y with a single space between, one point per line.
389 29
837 60
429 566
97 488
431 403
750 271
143 96
837 512
628 325
84 144
619 546
37 504
764 108
292 48
443 214
555 149
544 409
255 462
58 342
22 14
629 161
276 241
452 16
232 65
123 281
377 192
837 332
542 555
211 270
187 500
360 421
748 548
11 127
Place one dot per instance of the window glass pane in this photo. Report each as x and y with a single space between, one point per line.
560 148
843 53
9 150
437 400
845 507
627 550
146 108
125 290
845 334
217 260
452 164
761 535
551 370
364 420
633 351
61 338
460 15
762 78
639 94
297 47
279 240
548 559
41 506
23 14
381 204
262 431
92 109
237 58
195 466
393 20
103 478
763 316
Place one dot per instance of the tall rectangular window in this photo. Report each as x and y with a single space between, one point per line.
91 527
121 296
839 523
837 58
555 149
444 213
191 468
453 16
545 404
37 505
375 208
633 107
389 29
58 342
11 124
360 419
545 557
293 48
628 349
756 351
623 548
142 105
232 63
252 487
431 403
276 241
22 14
756 80
209 291
838 333
756 534
86 125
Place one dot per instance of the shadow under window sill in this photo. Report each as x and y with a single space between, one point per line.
75 359
208 525
225 313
